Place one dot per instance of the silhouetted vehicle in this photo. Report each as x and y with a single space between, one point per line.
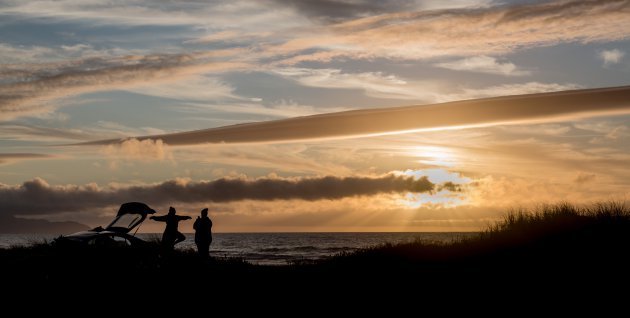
129 216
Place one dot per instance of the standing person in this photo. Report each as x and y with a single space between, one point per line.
203 233
171 235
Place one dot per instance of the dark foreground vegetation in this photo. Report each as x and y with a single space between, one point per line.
556 250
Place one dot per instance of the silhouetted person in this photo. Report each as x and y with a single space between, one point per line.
203 233
171 235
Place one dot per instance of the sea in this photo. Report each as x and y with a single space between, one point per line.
276 248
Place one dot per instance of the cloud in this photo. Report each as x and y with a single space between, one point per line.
606 129
39 197
20 131
206 14
450 186
335 10
540 129
35 90
230 36
278 109
21 54
32 89
11 56
508 89
484 64
363 29
296 158
379 85
374 84
455 32
6 158
543 107
138 150
584 178
611 57
578 188
195 87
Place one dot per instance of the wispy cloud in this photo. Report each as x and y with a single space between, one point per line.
484 64
393 29
230 36
279 109
544 107
455 32
374 84
379 85
508 89
13 157
195 88
37 195
295 158
37 86
160 13
20 131
335 10
12 54
610 57
605 131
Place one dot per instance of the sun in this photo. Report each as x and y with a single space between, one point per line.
434 155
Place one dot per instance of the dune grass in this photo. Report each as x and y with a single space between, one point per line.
559 233
561 242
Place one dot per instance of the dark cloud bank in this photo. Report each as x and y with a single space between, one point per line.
38 197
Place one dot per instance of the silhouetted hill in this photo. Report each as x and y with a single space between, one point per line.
13 225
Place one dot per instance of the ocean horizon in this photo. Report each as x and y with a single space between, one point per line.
274 248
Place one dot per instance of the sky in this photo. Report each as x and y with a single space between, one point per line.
330 115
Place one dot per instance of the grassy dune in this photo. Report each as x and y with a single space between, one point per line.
551 249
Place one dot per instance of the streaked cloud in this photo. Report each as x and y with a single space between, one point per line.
213 14
295 159
14 56
374 84
456 32
379 85
392 29
508 192
540 129
21 131
279 109
484 64
195 88
605 131
508 90
336 10
610 57
13 157
230 36
544 107
601 127
38 86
